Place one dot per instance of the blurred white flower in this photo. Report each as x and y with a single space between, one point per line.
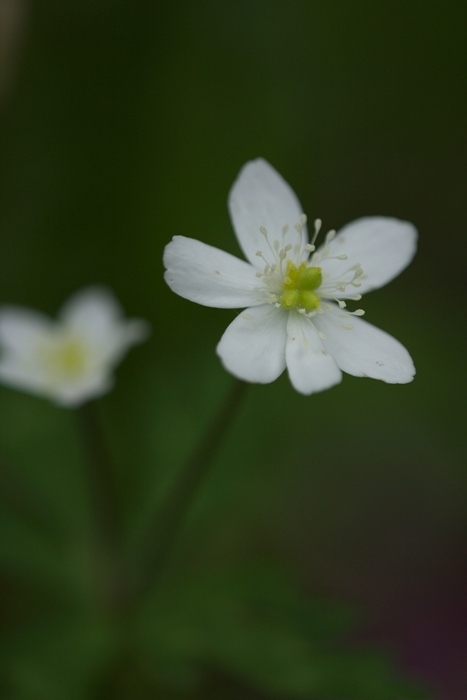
70 360
296 297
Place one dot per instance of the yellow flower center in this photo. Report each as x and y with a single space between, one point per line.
299 283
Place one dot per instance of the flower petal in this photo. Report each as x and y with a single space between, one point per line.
209 276
253 346
261 197
93 309
383 246
94 314
365 351
310 367
74 394
20 329
19 375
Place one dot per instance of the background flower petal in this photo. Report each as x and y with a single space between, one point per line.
365 351
253 346
95 315
20 329
209 276
261 197
310 367
383 246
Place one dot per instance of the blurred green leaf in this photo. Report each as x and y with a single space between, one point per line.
254 625
57 658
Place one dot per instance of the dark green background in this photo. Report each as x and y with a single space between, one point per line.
124 123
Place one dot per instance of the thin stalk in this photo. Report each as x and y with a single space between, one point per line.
106 508
170 517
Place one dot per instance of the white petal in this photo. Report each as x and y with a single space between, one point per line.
253 346
365 351
383 246
23 376
76 393
21 329
96 316
310 367
93 309
261 197
209 276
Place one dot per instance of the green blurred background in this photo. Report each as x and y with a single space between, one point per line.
124 123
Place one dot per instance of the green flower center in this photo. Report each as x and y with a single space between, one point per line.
299 285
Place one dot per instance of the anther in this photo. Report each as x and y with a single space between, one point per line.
342 257
358 312
285 229
298 227
259 253
259 274
356 284
310 247
341 303
330 235
303 219
322 336
263 230
288 247
276 245
347 327
356 297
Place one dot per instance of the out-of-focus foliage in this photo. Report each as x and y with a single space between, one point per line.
123 124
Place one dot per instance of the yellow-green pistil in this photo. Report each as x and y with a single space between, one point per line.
299 283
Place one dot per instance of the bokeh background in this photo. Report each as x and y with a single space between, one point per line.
124 123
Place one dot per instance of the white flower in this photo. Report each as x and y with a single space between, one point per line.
296 316
70 360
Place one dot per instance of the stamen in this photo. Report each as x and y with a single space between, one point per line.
317 224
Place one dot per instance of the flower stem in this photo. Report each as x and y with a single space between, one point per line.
106 505
169 519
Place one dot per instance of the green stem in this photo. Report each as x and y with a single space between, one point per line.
169 519
106 506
